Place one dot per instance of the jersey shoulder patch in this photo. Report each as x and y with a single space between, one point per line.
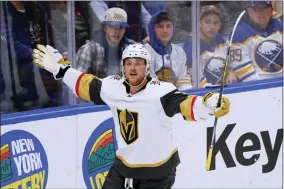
160 87
112 80
115 77
155 82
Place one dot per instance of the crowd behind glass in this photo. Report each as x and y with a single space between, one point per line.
165 27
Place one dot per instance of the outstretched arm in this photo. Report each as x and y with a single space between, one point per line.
193 107
85 86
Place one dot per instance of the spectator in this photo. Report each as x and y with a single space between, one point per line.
2 46
212 47
181 12
138 17
154 6
168 59
230 12
28 29
8 84
257 46
102 55
58 21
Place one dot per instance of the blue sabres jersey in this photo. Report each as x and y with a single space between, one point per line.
257 54
212 60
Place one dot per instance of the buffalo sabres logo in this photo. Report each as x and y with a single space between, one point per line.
268 56
214 69
128 122
166 74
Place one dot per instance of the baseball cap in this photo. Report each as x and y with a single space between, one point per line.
205 10
252 4
116 17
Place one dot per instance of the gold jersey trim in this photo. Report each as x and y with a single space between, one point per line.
146 165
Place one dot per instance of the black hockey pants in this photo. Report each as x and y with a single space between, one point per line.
116 181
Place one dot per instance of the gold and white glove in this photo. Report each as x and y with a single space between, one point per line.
210 100
51 60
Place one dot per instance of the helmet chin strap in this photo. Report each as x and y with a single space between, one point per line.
135 86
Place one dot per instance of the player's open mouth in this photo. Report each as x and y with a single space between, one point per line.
133 74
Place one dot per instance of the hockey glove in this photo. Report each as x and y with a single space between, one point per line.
210 100
51 60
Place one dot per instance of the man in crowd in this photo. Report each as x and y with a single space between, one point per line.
138 17
257 46
168 59
102 55
29 27
213 47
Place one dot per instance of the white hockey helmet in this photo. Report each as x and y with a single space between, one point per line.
137 50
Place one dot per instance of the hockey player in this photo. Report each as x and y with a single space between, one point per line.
142 108
257 46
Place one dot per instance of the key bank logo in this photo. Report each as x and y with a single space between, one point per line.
99 154
256 144
23 161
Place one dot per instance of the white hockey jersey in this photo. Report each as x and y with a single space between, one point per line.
257 54
212 60
170 67
143 123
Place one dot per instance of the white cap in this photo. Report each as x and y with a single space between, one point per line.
116 17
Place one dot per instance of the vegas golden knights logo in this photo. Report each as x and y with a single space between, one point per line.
128 122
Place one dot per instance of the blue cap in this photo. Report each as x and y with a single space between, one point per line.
114 23
252 4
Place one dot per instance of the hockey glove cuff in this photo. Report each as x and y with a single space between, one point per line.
210 100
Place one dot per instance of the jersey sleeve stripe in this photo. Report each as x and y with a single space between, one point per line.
83 86
77 85
184 81
246 76
242 72
242 65
186 108
192 104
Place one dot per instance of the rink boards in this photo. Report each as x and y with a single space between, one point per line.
73 147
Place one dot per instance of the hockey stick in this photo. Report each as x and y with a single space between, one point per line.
209 157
